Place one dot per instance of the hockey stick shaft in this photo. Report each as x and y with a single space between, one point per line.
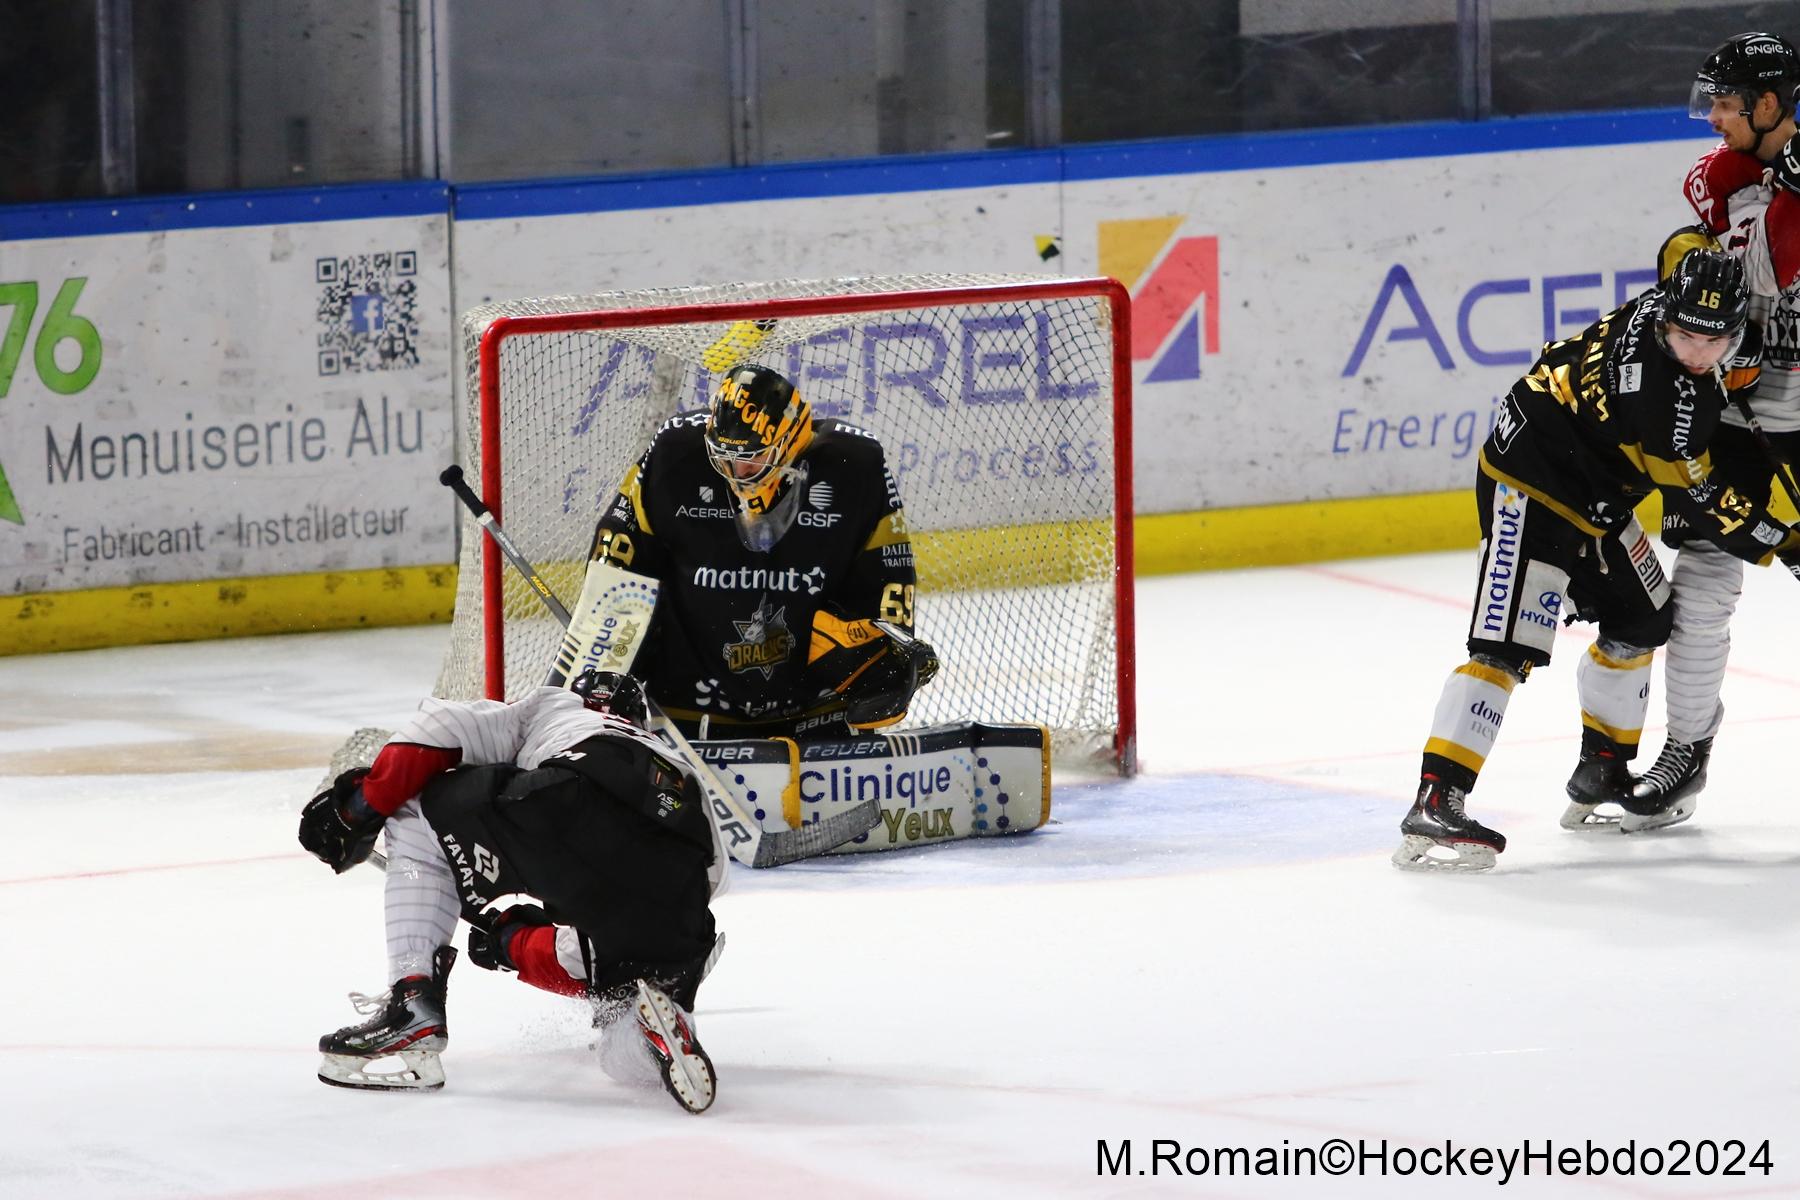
745 839
452 478
1781 464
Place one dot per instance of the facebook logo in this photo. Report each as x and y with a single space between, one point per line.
366 313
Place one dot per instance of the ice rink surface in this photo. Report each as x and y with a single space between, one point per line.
1216 953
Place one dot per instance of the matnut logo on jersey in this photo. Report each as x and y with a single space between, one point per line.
792 579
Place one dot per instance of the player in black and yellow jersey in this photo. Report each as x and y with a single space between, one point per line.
1600 421
785 605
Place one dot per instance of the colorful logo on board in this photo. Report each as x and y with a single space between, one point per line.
1174 285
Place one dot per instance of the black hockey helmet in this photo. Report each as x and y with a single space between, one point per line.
616 695
1707 296
1746 66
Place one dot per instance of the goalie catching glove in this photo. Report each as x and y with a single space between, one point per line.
337 826
873 667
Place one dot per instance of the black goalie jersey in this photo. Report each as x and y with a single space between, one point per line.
732 626
1606 417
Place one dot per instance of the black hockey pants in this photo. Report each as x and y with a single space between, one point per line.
593 853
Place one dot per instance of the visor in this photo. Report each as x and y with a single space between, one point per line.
1701 95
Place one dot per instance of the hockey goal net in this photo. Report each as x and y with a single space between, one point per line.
1003 404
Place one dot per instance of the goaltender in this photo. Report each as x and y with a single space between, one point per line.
782 569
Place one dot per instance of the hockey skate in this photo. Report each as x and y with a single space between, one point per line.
1669 792
687 1073
1437 835
1597 791
408 1025
614 993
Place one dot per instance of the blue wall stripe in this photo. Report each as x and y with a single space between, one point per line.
213 210
914 173
1316 147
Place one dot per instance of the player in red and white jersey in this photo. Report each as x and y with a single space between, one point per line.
563 797
1745 91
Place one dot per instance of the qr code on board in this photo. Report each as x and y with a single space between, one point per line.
368 312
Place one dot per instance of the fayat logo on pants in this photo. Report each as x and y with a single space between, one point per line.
1174 284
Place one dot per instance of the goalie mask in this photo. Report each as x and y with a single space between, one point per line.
616 695
756 430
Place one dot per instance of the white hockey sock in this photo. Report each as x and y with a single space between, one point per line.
421 893
1469 712
1708 583
1613 682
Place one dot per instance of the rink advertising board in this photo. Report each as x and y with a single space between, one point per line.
187 401
259 387
1317 318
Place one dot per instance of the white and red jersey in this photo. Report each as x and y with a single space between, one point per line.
443 733
539 725
527 732
1760 224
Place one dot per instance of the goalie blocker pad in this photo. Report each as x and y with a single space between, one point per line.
608 622
936 784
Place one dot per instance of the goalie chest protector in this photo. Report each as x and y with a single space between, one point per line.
733 625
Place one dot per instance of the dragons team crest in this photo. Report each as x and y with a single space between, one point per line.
766 643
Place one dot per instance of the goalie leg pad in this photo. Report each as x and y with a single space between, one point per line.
935 784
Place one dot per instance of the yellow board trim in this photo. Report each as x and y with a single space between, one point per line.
1461 755
217 608
1167 543
1044 816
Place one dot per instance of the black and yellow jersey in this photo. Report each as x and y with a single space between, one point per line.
733 626
1605 417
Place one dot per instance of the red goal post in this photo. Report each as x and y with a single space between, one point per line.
1004 407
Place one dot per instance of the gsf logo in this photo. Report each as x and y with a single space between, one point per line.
818 520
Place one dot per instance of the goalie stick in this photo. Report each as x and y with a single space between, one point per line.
744 837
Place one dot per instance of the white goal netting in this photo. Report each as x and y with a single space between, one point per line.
996 401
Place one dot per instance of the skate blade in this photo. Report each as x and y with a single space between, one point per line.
1680 811
1603 817
687 1071
1419 853
417 1071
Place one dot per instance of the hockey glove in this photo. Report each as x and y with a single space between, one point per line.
1785 170
872 666
1743 370
337 826
491 948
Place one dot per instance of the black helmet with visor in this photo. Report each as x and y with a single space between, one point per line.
1746 66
